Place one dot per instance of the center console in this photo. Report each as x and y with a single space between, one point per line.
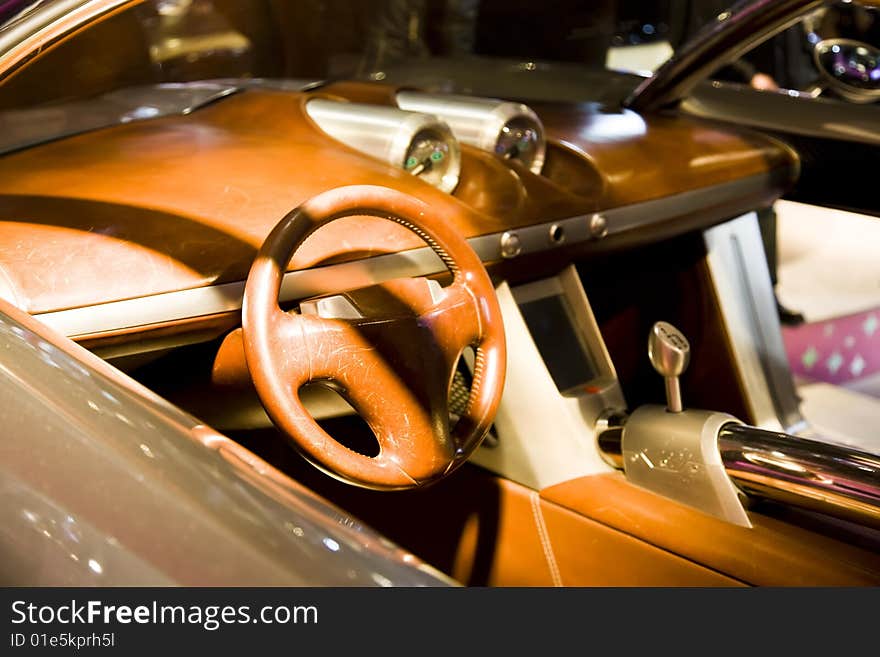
561 372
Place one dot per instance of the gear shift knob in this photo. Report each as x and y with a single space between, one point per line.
670 353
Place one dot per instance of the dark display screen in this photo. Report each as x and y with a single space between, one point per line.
561 347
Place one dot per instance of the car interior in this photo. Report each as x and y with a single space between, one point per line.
531 340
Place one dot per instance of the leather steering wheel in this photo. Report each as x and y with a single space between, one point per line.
390 349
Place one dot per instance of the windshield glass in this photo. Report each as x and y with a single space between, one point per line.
172 41
183 40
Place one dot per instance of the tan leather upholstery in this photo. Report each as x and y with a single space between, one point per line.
772 553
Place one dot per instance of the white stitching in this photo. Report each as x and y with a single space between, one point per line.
544 536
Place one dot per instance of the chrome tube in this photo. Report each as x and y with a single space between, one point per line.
416 142
510 130
833 479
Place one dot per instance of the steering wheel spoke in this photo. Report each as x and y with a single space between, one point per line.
454 321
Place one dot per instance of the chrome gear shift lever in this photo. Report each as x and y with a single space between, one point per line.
670 354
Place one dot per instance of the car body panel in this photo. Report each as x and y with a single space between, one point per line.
105 483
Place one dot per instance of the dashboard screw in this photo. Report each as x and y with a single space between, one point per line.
598 226
511 245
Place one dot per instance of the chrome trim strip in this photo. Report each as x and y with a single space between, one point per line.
183 304
534 239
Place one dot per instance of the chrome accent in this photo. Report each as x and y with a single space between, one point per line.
833 479
226 297
676 455
598 226
511 246
609 434
339 306
741 281
489 124
670 353
837 480
335 307
28 127
41 16
415 142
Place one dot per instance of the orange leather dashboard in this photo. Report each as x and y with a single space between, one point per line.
634 158
185 202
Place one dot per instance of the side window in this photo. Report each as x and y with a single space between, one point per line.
832 52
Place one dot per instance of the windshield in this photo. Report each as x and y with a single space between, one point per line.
172 41
184 40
